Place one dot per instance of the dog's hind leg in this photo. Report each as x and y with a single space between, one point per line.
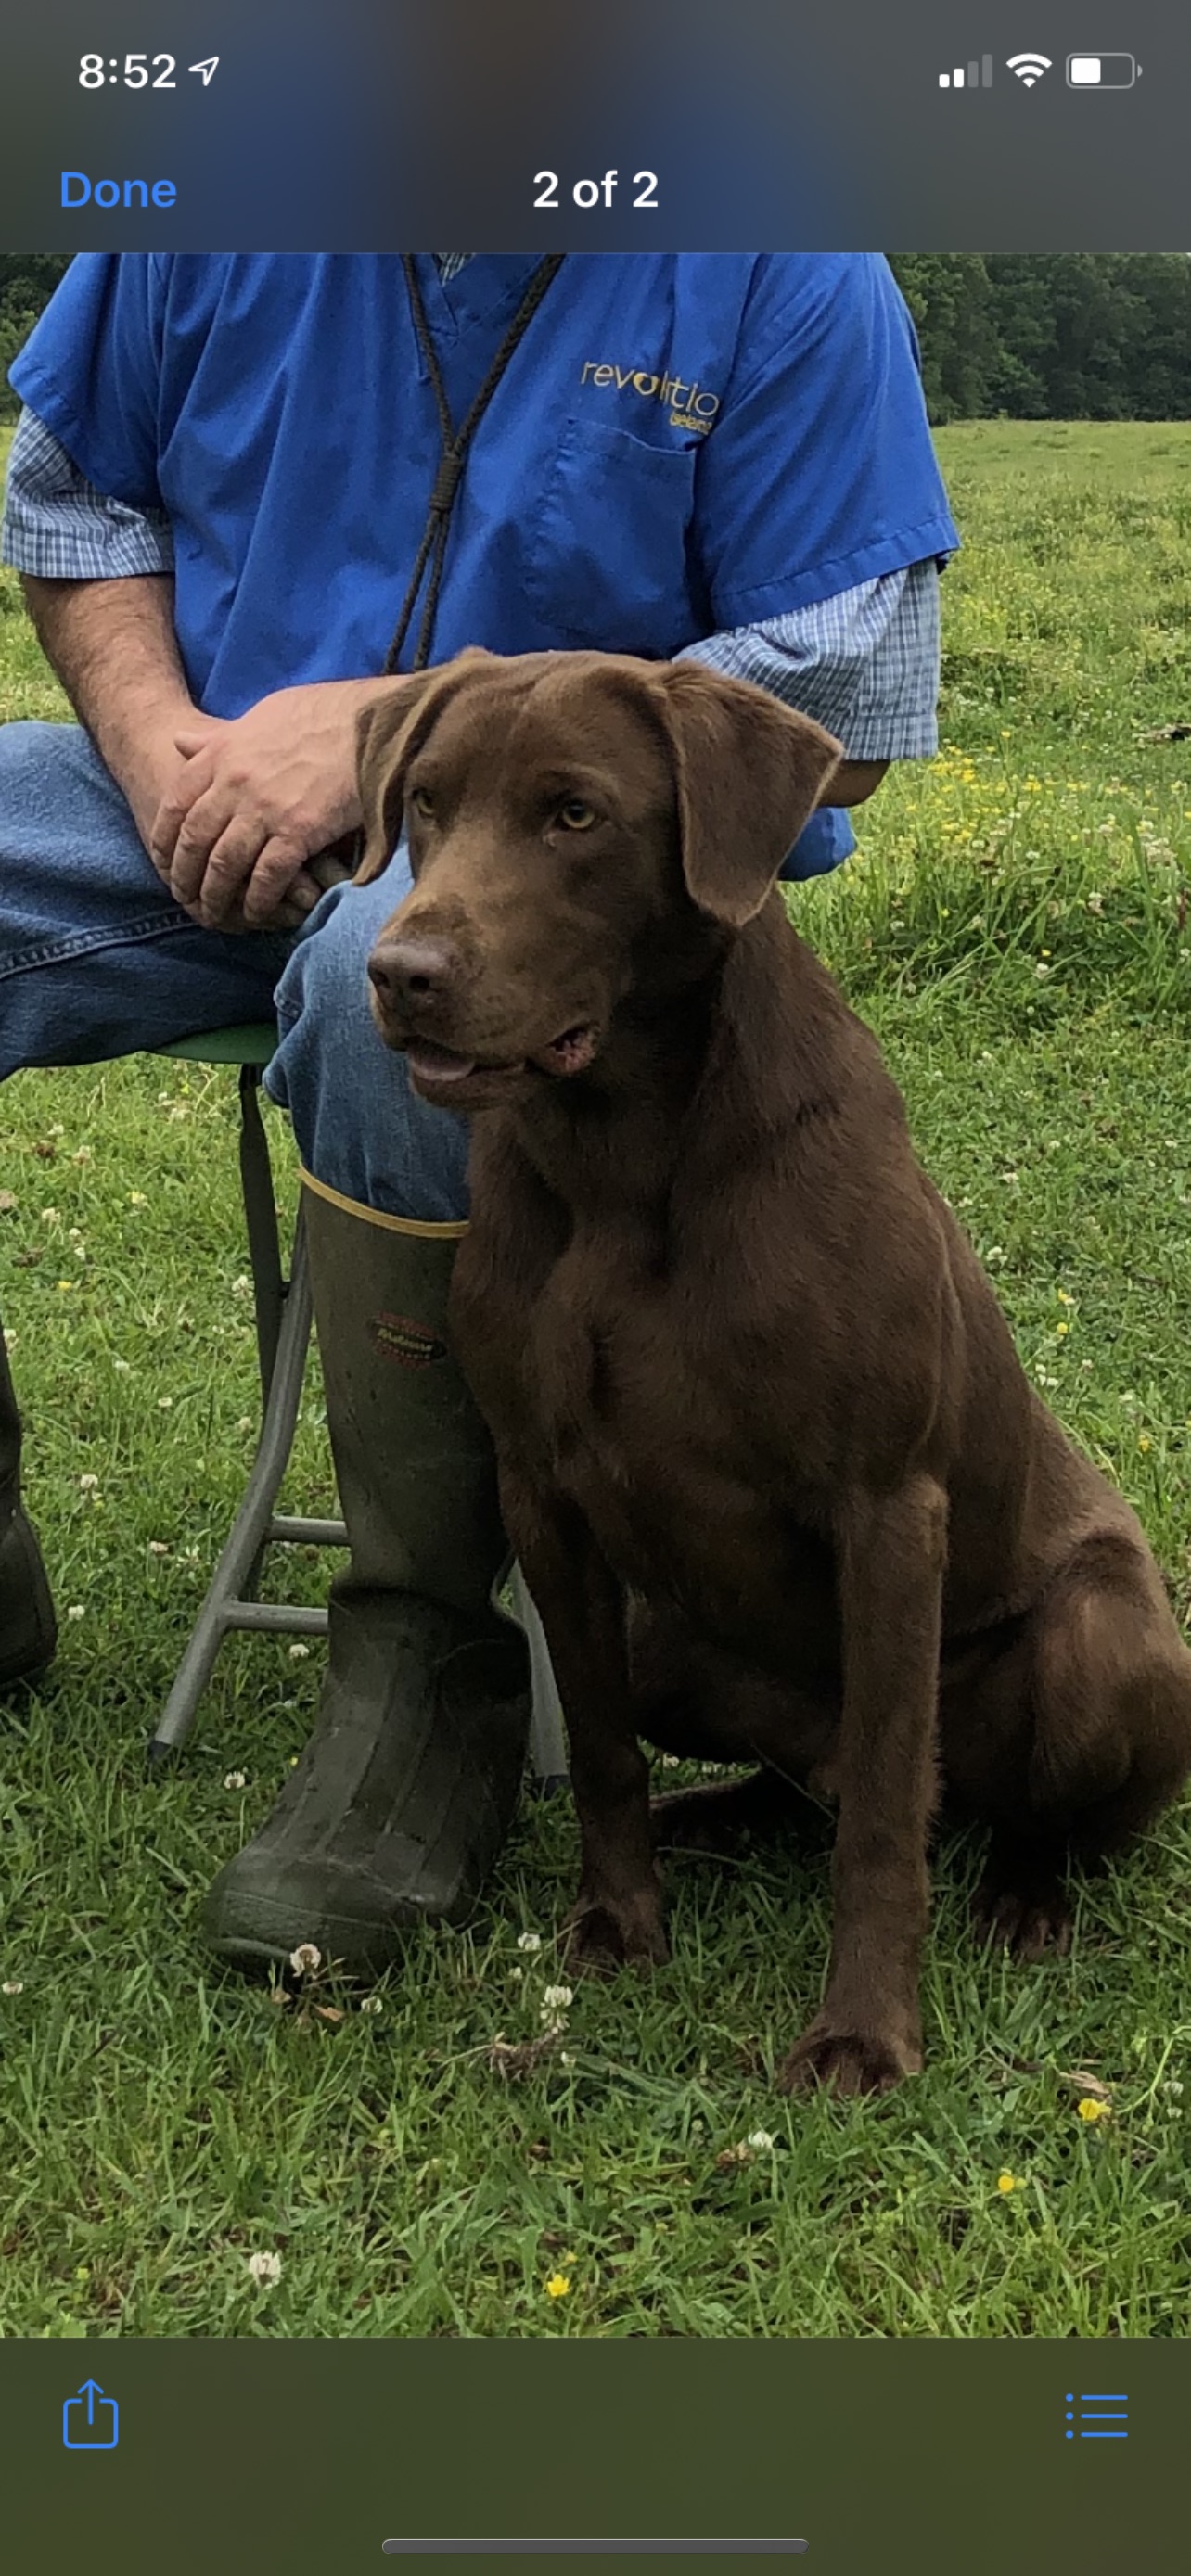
1022 1901
700 1701
1110 1740
717 1819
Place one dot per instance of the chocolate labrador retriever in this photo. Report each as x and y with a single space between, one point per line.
776 1478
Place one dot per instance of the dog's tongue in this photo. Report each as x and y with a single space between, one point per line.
438 1064
571 1052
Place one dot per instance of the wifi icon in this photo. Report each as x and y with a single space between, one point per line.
1028 67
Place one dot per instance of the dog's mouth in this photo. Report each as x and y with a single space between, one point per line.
443 1070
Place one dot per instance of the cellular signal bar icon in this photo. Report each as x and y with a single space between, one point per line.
977 76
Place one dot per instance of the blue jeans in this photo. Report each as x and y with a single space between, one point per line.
97 960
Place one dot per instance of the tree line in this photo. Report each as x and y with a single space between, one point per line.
25 285
1062 335
1052 335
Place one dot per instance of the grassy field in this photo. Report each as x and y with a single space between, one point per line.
1015 929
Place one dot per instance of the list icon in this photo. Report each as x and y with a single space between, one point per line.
1096 2418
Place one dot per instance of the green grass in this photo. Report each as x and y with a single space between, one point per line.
1015 930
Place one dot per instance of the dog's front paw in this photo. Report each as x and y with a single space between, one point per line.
602 1937
848 2061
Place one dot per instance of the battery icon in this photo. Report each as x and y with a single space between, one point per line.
1102 71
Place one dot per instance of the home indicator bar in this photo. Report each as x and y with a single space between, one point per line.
592 2548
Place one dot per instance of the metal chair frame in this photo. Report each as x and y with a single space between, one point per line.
283 1320
284 1315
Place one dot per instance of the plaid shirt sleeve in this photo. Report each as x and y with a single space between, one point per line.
58 527
865 663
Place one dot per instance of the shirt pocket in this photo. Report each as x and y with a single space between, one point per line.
608 556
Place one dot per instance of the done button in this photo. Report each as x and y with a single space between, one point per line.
79 190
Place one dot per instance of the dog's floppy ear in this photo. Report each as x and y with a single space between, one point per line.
388 733
749 772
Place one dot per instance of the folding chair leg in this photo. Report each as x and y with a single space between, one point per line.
226 1605
547 1738
260 1211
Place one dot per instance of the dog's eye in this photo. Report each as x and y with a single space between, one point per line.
575 815
422 802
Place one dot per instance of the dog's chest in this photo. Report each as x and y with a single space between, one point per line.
615 1387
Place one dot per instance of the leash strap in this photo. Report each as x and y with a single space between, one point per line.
455 446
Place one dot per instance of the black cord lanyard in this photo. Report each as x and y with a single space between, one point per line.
455 445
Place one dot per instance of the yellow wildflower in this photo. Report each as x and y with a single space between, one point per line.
1008 2182
557 2286
1091 2110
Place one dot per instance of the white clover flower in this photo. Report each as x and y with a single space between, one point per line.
557 1998
761 2140
298 1654
76 1611
234 1780
265 2269
305 1960
245 1422
124 1367
16 1986
529 1940
372 2004
88 1484
158 1547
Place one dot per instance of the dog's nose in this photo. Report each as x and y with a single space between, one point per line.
413 974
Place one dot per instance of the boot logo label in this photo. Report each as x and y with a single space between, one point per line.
411 1345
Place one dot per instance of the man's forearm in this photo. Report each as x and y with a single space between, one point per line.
113 647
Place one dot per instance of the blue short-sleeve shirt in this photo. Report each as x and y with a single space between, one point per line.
680 444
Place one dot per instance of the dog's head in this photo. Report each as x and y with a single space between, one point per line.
582 828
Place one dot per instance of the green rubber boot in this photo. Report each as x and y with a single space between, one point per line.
405 1792
28 1632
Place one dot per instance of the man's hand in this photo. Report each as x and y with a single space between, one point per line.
254 800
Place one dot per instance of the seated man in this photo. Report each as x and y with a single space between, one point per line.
218 498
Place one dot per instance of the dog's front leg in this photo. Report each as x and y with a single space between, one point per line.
891 1556
617 1915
